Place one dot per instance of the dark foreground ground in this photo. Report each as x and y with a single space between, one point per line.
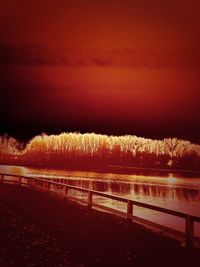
39 230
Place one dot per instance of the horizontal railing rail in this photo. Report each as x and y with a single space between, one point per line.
46 183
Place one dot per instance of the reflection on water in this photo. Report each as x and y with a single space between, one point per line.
13 170
177 193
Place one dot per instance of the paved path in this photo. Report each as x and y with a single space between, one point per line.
95 238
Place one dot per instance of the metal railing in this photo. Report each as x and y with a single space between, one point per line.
47 184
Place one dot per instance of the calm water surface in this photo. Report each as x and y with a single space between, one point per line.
171 191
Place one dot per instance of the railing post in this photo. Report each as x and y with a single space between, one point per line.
49 185
89 199
129 209
66 190
20 180
2 178
30 182
189 231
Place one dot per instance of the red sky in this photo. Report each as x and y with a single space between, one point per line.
104 66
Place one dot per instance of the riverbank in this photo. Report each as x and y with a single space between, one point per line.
93 238
117 169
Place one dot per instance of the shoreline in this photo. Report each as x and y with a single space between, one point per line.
126 170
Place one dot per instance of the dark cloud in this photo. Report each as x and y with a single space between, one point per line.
122 58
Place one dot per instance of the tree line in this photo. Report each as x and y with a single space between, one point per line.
95 151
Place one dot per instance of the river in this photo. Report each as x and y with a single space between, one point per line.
173 191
